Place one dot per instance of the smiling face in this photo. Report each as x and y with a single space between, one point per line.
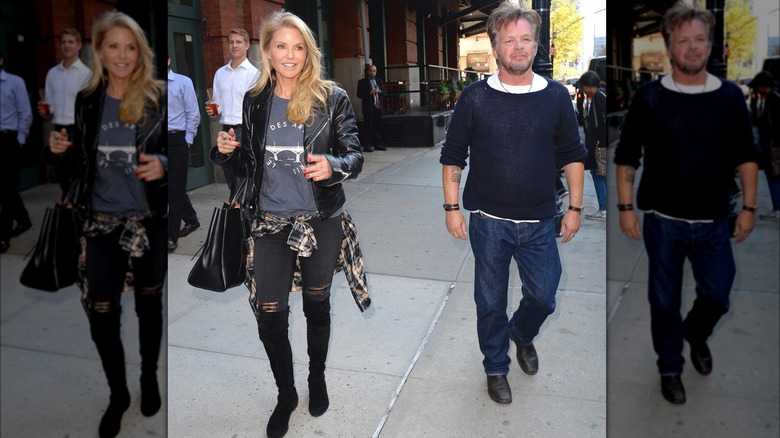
119 53
287 52
689 47
515 47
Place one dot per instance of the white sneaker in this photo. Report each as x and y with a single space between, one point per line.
598 215
771 216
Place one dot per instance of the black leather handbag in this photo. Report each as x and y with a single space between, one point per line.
54 263
222 260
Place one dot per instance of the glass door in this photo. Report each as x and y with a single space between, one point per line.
184 43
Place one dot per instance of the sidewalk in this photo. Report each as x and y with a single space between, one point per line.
740 397
408 367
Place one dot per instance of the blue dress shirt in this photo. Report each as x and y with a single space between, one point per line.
15 112
183 110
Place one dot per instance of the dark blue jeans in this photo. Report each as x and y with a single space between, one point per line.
495 243
707 246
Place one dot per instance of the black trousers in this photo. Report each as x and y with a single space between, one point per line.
179 205
11 204
107 264
373 122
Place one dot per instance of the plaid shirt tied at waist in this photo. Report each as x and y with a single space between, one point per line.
302 240
133 238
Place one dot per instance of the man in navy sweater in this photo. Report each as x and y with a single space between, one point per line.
514 156
694 130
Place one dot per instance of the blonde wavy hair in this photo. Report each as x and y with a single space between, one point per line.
311 90
143 91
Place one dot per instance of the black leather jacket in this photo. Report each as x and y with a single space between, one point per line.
150 138
331 132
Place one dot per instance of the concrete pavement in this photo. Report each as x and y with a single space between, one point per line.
409 367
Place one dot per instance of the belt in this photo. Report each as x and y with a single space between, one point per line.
226 127
175 131
9 131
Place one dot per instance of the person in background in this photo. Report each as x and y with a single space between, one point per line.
15 121
371 90
765 108
299 142
690 130
517 129
119 154
183 121
593 118
63 82
231 82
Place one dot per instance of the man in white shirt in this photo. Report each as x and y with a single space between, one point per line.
231 82
63 82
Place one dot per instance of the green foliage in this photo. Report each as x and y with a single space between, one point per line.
741 30
567 23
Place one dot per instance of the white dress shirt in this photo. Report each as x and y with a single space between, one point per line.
230 85
62 86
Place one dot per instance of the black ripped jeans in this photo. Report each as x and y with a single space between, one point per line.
107 264
275 265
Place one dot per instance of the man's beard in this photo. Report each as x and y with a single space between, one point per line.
690 70
518 68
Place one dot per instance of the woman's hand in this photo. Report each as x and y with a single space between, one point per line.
58 142
318 168
226 142
150 168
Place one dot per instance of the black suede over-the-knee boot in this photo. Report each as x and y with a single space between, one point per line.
317 310
148 308
272 327
105 331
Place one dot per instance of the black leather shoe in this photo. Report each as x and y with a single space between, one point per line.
4 246
673 389
187 229
20 229
368 149
527 358
499 390
380 148
172 246
701 358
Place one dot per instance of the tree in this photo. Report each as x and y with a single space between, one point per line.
567 27
740 30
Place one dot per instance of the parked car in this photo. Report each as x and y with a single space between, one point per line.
571 85
743 84
772 65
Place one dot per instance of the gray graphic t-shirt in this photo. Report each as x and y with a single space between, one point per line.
285 191
117 190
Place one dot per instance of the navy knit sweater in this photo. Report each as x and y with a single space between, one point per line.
692 143
516 143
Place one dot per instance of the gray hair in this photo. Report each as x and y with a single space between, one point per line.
683 12
507 13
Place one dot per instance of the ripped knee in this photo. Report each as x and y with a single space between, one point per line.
316 293
101 306
148 290
269 307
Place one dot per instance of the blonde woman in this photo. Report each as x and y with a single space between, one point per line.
119 152
299 142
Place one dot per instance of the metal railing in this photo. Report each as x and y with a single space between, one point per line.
423 81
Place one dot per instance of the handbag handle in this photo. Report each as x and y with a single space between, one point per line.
70 197
239 194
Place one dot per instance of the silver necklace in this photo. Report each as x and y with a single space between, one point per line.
504 87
